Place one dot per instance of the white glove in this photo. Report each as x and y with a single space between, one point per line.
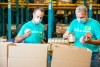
66 35
27 30
82 39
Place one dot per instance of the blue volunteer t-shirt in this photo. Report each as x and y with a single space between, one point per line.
37 32
80 29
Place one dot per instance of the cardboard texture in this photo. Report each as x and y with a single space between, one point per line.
45 27
3 61
64 1
26 62
60 12
3 54
18 1
39 1
68 56
27 52
88 1
27 55
62 63
61 28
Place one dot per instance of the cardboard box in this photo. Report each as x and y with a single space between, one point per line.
88 1
61 28
26 62
60 12
64 1
27 55
94 1
3 54
39 1
68 56
45 27
13 29
3 61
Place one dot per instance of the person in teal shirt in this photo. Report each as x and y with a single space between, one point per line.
80 27
32 31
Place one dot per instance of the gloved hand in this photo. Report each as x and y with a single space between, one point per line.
66 35
83 39
27 32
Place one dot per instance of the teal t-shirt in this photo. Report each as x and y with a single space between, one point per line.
80 29
37 32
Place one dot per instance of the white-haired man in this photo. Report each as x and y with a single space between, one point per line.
80 27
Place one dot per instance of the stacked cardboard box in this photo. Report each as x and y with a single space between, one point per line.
88 1
66 56
27 55
18 0
61 28
64 1
13 29
45 27
60 12
39 1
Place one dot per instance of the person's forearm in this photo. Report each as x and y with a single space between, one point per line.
96 42
19 39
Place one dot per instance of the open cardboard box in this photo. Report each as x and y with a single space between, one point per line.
27 55
69 56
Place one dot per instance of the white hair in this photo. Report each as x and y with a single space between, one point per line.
81 8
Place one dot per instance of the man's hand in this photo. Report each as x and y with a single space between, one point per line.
65 35
27 32
82 39
85 39
88 40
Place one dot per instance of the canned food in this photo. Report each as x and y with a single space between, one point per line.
71 44
59 40
49 40
63 41
71 37
52 40
50 48
56 40
3 39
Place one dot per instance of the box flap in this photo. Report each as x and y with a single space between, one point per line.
61 63
72 54
28 51
3 49
26 62
3 62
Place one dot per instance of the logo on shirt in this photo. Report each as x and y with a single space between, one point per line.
87 27
79 30
40 34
